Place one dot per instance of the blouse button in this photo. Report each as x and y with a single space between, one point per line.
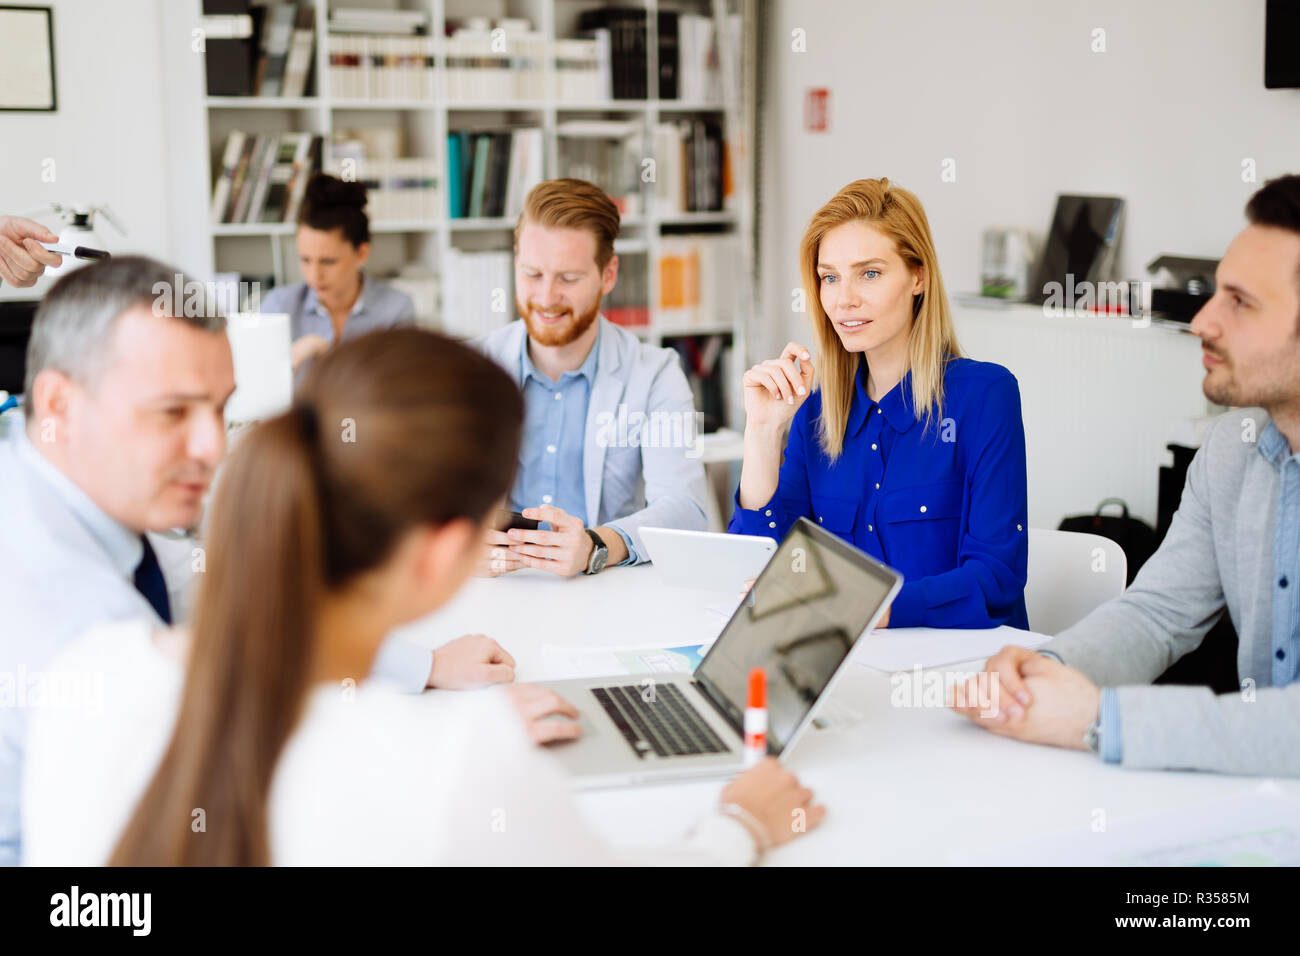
873 446
819 519
877 486
877 410
922 509
1018 528
767 513
870 528
771 524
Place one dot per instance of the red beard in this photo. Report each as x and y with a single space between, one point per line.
562 333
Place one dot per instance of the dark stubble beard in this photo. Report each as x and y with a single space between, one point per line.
561 335
1275 382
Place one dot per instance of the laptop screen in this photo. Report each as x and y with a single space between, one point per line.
813 600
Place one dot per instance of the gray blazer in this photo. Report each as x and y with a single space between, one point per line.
1218 553
638 465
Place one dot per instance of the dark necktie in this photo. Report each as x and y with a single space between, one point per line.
149 582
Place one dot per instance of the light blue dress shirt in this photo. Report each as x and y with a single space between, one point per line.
378 306
1277 452
555 428
64 566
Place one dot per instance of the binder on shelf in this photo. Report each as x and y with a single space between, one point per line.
229 61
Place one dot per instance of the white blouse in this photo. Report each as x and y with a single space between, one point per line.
370 775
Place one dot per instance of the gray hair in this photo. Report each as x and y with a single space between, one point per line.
75 322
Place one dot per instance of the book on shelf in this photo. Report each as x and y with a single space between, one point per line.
262 177
697 282
628 303
478 292
605 152
697 59
277 36
368 66
626 28
692 173
489 171
706 360
272 58
300 60
230 48
582 68
481 67
372 20
421 284
397 189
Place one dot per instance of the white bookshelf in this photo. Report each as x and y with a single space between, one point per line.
242 247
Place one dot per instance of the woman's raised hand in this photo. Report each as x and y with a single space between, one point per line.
775 389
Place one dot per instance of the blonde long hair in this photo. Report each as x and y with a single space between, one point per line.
897 214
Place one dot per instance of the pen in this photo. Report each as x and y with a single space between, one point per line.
756 718
77 252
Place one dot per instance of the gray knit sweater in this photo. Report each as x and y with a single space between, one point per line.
1218 552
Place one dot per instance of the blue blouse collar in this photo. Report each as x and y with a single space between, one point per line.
896 405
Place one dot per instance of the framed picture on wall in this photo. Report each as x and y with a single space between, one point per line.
27 59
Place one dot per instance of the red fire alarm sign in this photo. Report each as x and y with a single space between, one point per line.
817 110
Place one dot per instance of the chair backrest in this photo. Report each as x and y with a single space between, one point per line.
1070 574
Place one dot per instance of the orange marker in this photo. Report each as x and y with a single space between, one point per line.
756 718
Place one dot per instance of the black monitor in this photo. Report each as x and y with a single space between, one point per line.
1083 242
16 317
1282 44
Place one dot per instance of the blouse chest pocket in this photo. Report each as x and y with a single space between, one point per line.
922 502
922 527
924 523
836 515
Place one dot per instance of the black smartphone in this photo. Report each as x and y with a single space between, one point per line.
508 520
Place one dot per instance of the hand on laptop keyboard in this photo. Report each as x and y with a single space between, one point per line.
544 712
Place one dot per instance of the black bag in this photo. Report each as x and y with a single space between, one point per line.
1136 538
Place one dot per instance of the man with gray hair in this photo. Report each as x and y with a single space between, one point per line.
123 430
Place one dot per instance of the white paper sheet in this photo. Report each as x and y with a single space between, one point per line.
1259 827
903 648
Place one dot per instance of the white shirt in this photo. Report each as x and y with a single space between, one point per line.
369 776
64 566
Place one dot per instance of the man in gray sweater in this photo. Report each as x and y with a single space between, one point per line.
1234 543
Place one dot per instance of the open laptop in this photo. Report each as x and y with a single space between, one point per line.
813 600
705 560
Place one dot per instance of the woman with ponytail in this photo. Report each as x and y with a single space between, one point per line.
336 300
251 740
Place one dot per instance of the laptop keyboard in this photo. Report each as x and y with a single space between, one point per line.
668 725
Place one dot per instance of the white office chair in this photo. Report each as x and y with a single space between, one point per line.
1070 574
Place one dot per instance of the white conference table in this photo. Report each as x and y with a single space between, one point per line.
902 786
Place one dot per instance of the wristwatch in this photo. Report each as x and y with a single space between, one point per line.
599 554
1092 736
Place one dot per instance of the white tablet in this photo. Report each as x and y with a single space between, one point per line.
706 561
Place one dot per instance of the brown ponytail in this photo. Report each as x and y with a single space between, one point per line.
389 431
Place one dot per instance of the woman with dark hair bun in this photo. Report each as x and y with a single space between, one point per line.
336 299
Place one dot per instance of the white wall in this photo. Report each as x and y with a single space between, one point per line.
107 137
1011 90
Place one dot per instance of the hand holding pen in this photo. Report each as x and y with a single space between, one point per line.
22 257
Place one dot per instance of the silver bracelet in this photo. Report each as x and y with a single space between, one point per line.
750 823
